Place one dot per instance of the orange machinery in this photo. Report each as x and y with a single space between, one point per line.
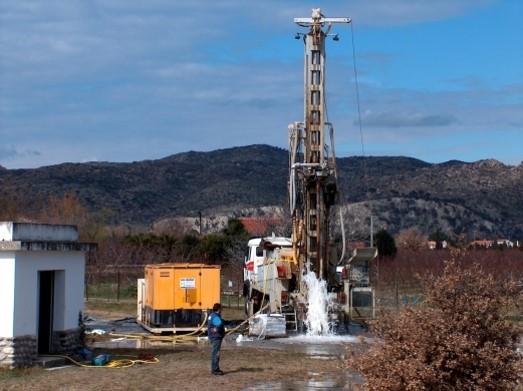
176 296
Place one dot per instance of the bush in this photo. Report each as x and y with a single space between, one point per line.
458 340
385 243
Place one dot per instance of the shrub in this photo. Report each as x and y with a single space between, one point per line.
458 340
385 243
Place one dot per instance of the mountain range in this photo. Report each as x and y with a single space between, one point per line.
479 199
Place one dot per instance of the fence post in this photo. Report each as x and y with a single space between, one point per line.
118 286
396 288
87 286
239 293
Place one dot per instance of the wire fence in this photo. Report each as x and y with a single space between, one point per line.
112 283
116 283
396 282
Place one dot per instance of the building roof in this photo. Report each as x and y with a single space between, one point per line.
258 226
11 230
15 236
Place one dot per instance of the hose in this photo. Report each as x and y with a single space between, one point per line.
342 226
261 309
246 320
193 335
115 364
264 290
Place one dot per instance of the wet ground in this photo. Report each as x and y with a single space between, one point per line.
261 365
333 348
317 381
294 363
322 358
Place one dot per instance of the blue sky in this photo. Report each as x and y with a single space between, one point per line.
120 80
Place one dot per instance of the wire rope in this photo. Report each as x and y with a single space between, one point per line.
360 125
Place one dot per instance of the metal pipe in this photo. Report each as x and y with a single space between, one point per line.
306 165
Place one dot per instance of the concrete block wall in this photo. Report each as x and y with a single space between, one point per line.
18 352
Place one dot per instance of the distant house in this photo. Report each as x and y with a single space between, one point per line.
483 243
504 243
431 244
259 226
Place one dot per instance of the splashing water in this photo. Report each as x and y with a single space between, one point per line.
317 321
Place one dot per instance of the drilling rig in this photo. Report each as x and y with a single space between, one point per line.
275 266
313 185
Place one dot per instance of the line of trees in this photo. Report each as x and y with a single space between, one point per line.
123 246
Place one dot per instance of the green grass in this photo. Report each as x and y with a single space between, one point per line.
110 291
111 306
232 301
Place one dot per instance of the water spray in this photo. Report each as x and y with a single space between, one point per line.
317 321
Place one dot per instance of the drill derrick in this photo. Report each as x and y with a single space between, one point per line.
312 160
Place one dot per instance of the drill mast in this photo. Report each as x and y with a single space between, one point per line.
312 160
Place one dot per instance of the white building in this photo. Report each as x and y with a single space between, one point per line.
42 270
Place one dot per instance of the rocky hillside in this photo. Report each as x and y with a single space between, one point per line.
484 198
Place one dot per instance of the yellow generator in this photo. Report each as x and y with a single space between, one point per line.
176 297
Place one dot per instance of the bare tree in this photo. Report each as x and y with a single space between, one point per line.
412 239
67 209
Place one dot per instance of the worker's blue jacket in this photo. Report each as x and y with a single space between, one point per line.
215 327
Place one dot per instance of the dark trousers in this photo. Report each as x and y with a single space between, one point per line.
215 358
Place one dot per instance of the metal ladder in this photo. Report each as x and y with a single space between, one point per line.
291 322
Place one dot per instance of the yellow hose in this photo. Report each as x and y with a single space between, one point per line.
193 335
119 363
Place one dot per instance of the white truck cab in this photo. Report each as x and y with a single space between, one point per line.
257 253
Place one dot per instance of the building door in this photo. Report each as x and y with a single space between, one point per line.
45 311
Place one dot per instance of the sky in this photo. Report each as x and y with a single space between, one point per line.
120 80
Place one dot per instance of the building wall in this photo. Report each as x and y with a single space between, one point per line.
27 231
69 289
7 290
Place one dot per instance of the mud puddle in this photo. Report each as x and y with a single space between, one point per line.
315 382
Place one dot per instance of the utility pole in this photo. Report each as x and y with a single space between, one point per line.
312 181
371 230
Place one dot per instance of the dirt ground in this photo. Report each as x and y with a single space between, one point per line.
186 367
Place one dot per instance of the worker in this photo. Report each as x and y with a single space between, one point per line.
216 332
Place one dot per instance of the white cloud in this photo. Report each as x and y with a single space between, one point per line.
406 119
189 75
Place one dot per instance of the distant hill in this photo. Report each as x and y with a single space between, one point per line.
483 198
